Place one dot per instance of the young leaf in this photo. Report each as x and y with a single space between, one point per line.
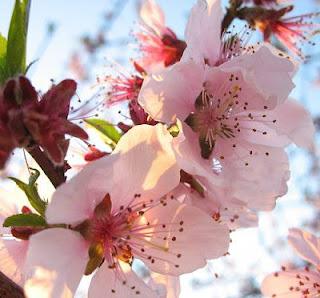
3 48
3 52
17 38
31 191
25 220
107 129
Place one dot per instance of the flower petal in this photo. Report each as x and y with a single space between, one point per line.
171 94
248 174
12 259
182 238
288 284
269 73
306 245
142 163
153 16
118 283
187 150
75 200
166 286
295 122
57 100
56 261
219 205
146 165
203 32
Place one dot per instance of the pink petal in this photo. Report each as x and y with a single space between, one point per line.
295 122
165 285
153 16
146 165
288 284
56 261
75 200
269 73
306 245
12 259
219 204
110 283
188 155
142 163
171 94
203 32
183 238
248 175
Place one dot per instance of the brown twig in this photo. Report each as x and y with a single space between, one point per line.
55 174
8 289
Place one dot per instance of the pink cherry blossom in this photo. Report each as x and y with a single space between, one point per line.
123 86
217 203
236 119
159 45
117 209
290 31
126 87
299 283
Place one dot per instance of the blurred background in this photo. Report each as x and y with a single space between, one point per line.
80 39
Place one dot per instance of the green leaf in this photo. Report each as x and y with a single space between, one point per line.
17 39
25 220
31 191
112 135
3 52
3 48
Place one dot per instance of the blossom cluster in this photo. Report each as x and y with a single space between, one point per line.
203 153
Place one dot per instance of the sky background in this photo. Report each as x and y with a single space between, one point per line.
250 251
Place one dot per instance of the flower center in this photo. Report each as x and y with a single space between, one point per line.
210 117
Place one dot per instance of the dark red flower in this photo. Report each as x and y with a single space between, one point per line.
48 123
27 119
16 95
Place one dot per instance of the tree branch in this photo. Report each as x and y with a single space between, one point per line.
8 289
55 174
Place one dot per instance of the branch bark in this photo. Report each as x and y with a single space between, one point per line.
55 174
8 289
